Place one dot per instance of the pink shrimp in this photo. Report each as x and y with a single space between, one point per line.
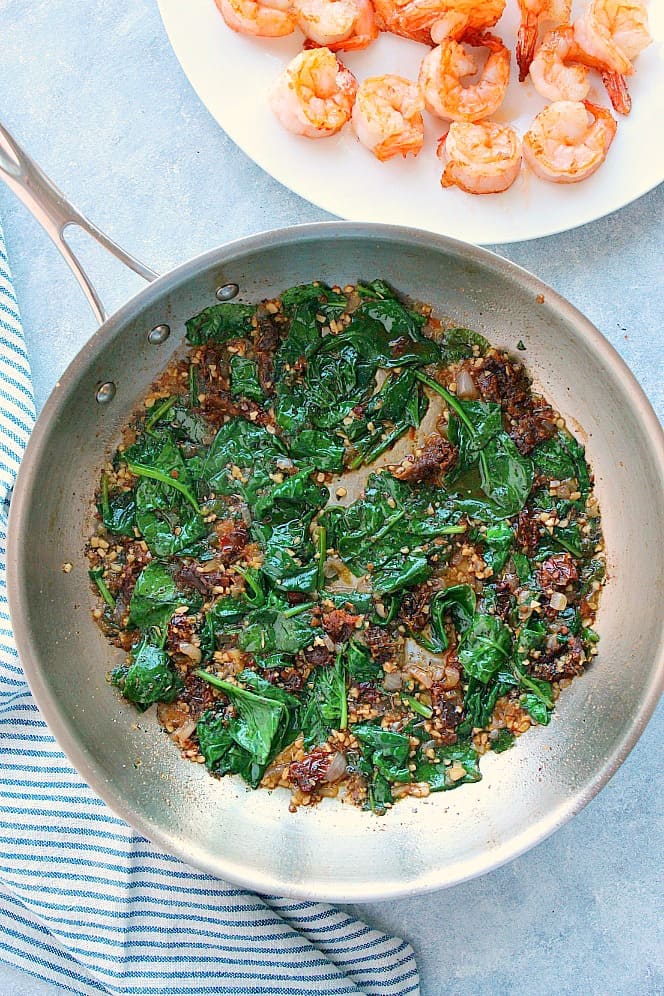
314 95
444 68
533 14
265 18
387 116
483 158
340 25
568 141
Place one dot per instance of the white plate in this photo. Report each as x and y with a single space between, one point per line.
232 74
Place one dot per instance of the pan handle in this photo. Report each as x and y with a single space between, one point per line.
55 214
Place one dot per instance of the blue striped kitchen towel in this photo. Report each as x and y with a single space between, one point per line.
87 903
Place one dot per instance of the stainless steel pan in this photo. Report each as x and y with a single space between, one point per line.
333 852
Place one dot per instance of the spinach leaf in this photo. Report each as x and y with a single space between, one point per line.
288 553
385 751
168 526
536 709
486 647
376 289
258 718
439 774
476 428
460 602
167 513
386 335
257 683
376 529
220 323
155 597
278 628
293 495
400 571
188 427
244 379
244 447
562 458
318 297
305 306
118 512
324 707
361 665
362 603
323 450
480 701
537 699
458 345
222 754
225 615
149 678
502 742
506 475
399 405
498 542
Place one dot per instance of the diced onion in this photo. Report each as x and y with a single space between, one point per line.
466 387
393 681
336 768
189 650
558 601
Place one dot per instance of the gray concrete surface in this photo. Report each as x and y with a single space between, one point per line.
96 95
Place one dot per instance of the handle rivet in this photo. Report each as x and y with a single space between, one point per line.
105 392
159 334
227 292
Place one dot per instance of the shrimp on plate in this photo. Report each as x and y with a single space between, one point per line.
557 71
568 141
387 116
337 24
444 68
314 94
263 18
560 71
483 158
534 13
614 33
457 17
408 18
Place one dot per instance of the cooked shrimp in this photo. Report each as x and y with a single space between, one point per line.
614 32
387 116
409 18
554 74
314 95
337 24
560 68
457 17
444 68
563 145
482 158
534 13
266 18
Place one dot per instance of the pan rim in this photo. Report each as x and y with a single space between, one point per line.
58 723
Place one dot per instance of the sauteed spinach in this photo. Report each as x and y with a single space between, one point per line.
344 546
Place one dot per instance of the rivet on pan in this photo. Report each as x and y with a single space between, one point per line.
105 392
227 292
159 334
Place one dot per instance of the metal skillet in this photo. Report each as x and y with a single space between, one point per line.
331 852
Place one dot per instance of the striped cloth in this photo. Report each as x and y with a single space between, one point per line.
87 903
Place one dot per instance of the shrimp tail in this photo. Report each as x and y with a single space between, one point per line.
616 87
526 43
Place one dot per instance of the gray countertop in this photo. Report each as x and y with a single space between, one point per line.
96 95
